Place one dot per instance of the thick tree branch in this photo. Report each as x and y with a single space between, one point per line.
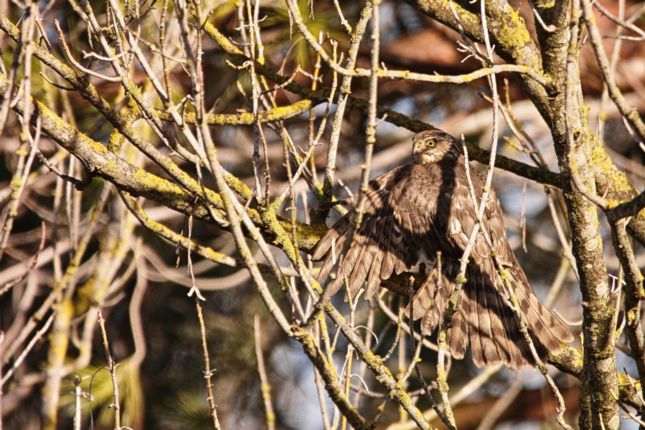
573 141
627 209
569 360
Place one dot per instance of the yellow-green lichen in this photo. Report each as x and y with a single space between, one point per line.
512 30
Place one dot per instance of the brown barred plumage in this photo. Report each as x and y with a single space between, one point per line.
418 209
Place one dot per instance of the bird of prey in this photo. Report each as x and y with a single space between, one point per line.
426 207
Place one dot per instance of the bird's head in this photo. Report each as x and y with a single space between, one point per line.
432 146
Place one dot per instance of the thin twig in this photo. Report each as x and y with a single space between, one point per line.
111 366
265 387
208 372
629 113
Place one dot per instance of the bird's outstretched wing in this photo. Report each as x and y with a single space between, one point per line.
394 235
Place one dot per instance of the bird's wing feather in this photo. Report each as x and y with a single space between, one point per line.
394 218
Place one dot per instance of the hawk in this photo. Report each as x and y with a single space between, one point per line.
418 210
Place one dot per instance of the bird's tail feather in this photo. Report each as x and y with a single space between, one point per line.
485 320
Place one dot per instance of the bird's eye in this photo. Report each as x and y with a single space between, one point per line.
432 144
